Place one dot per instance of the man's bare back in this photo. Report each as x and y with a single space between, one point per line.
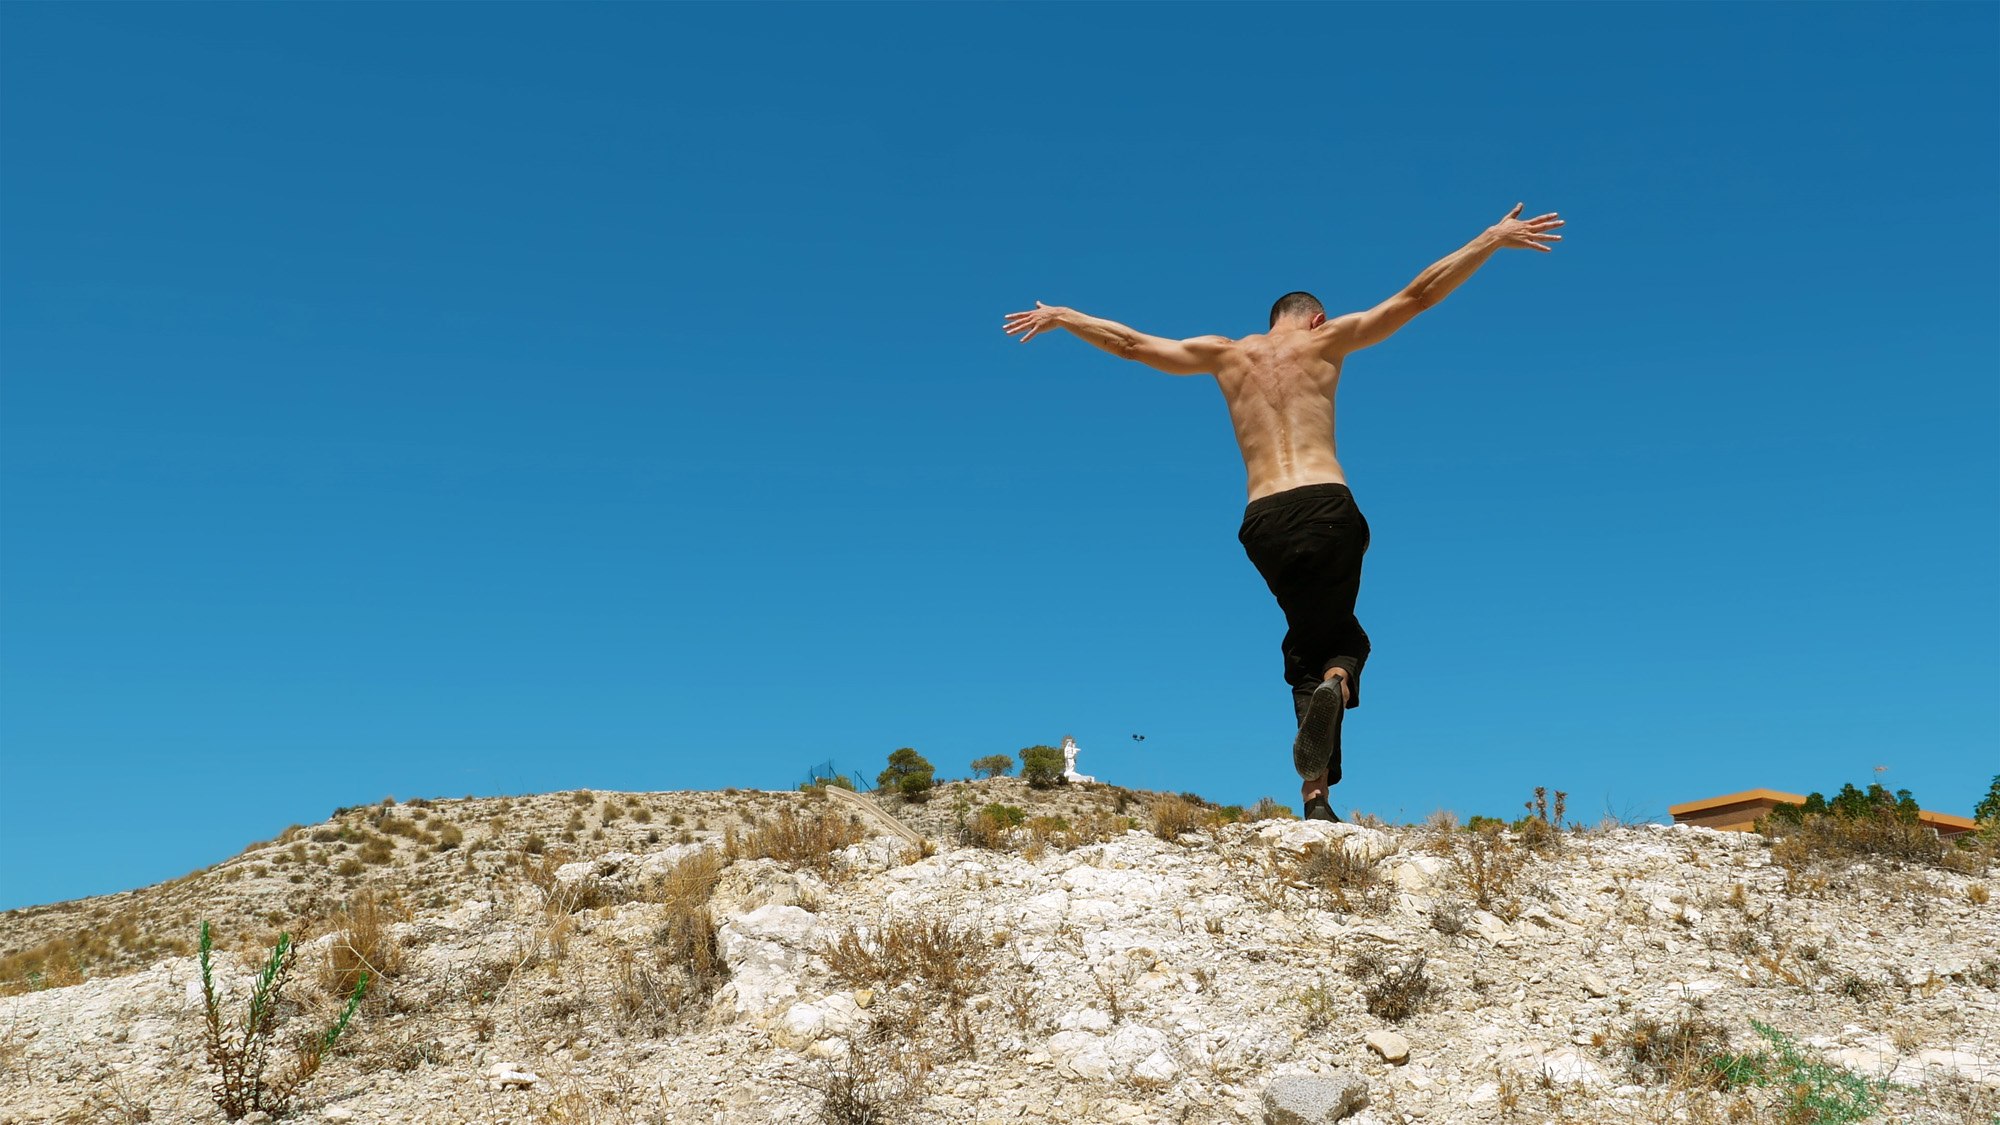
1280 384
1280 389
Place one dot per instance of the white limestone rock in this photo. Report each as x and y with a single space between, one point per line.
511 1076
1393 1048
1314 1099
765 950
837 1016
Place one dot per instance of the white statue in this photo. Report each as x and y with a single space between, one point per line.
1069 749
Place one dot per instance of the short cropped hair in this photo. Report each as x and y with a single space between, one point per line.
1298 304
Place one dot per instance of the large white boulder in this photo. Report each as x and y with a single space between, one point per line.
766 949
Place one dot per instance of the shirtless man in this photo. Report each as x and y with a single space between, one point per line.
1301 529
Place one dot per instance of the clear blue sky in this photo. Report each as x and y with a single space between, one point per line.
447 399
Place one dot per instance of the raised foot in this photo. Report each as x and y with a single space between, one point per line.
1318 740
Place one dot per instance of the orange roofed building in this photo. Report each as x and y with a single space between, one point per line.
1739 812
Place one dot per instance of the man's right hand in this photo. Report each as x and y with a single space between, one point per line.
1515 232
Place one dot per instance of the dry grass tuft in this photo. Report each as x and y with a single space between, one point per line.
1345 881
1174 816
1682 1053
362 943
1490 869
949 961
1393 994
795 841
1270 808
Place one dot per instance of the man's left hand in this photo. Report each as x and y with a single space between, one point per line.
1041 318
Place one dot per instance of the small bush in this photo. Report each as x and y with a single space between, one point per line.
1319 1011
238 1051
688 936
1347 882
1449 916
363 948
1815 1092
993 765
1689 1052
948 961
1541 829
1490 869
1173 816
1268 808
798 842
992 826
1393 994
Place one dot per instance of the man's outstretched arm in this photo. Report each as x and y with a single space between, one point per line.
1197 356
1363 329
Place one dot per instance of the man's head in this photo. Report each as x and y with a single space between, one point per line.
1298 307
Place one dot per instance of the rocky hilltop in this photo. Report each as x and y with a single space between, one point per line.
1085 954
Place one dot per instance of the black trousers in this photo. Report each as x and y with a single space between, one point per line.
1307 543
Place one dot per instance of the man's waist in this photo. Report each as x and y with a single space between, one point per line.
1299 494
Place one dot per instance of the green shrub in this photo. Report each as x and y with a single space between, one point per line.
991 826
1007 815
1856 823
1816 1092
1269 808
909 774
237 1052
1987 811
1851 803
1042 766
993 765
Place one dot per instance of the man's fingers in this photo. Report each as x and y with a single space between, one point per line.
1516 212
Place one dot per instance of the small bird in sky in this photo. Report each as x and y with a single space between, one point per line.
1138 738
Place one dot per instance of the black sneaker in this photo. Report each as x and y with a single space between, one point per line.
1318 743
1318 809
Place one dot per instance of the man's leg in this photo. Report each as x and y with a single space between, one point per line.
1325 651
1315 788
1309 553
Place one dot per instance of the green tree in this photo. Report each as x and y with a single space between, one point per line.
1987 811
1906 807
993 765
1042 766
909 774
1851 803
